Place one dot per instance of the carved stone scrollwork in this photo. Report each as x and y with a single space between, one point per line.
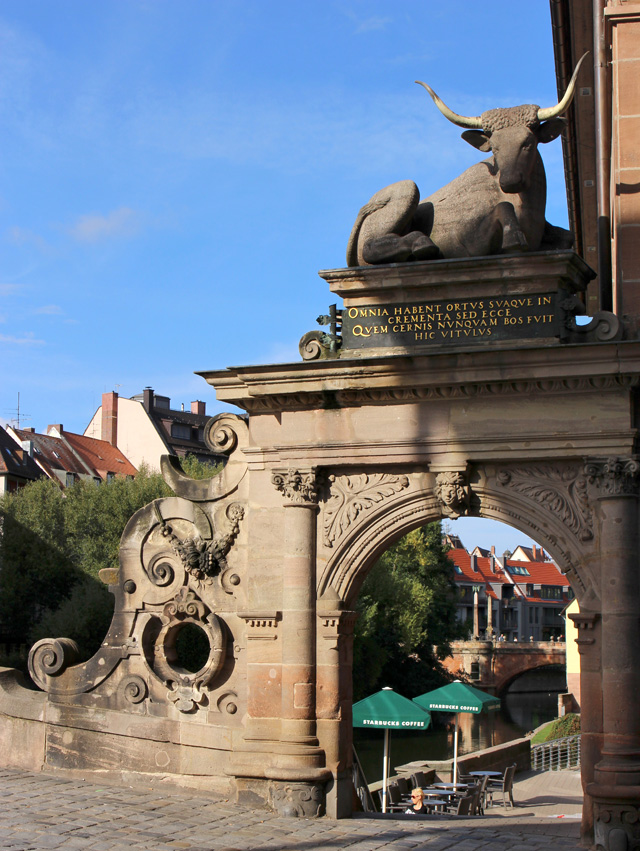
133 689
50 657
200 558
561 491
453 493
351 495
297 487
301 800
617 828
615 476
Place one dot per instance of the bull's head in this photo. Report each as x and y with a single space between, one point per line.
512 134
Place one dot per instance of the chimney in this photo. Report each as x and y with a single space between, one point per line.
198 408
27 446
493 550
57 427
109 430
147 399
473 562
534 550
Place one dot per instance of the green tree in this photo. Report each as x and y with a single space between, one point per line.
407 617
52 547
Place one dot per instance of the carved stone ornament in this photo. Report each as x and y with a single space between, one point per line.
563 491
296 486
201 559
617 828
453 493
615 476
351 495
301 800
185 688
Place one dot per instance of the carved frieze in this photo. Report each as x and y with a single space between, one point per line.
453 493
615 476
297 486
351 495
560 490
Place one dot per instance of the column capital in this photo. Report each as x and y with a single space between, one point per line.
615 477
299 487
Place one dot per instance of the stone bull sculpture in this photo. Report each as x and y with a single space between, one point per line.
495 207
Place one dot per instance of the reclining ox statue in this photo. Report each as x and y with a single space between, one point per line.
495 207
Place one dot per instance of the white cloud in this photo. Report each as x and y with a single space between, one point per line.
123 222
24 236
374 23
27 340
49 310
9 289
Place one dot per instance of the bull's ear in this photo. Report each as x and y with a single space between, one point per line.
478 139
550 130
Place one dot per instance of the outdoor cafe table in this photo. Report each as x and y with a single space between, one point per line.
453 786
487 773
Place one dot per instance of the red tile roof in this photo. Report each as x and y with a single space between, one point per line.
101 455
539 573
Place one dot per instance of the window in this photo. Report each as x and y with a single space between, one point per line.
181 431
70 479
551 592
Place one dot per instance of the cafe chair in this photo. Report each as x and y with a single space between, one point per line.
464 806
504 785
395 804
403 785
419 779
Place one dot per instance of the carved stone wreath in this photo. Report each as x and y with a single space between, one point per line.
185 688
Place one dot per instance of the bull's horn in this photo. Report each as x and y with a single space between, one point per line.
552 111
460 120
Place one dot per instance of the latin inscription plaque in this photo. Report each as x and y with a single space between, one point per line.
453 322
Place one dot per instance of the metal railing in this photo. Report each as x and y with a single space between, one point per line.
361 786
556 754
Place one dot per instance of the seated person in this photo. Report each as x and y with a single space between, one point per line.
417 803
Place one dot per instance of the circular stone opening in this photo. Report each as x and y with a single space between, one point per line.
191 648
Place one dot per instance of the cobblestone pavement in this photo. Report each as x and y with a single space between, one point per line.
45 811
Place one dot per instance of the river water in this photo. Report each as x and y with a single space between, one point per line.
523 708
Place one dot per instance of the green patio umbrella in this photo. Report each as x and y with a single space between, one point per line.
390 711
457 697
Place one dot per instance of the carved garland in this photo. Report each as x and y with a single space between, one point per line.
351 495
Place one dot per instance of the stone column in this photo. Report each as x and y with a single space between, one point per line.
298 770
334 702
616 787
588 641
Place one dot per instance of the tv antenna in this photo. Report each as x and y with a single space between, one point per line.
18 415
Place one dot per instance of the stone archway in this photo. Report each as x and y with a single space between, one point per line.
339 458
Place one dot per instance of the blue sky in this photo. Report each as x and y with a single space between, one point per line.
173 174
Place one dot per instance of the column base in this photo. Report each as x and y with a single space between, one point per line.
616 817
298 796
